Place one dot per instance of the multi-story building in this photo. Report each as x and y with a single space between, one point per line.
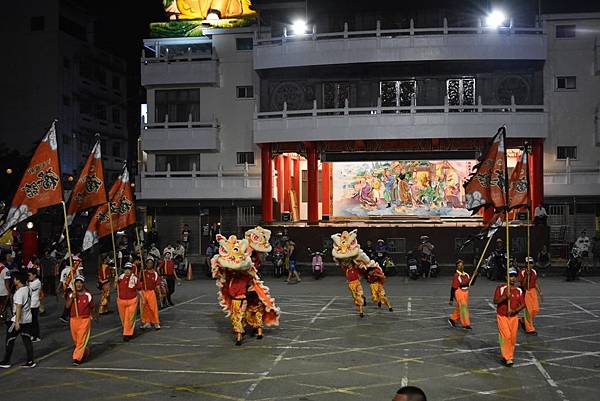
53 70
277 121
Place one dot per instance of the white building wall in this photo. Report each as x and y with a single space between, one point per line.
574 114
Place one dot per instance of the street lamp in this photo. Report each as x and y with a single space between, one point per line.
30 225
299 27
495 19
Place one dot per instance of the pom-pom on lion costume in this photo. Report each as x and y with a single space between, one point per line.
237 280
258 239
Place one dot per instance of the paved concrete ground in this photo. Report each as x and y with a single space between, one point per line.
323 351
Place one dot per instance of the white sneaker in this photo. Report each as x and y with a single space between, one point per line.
157 326
145 326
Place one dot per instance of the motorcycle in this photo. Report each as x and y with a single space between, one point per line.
318 268
389 268
487 268
433 267
426 262
278 263
412 268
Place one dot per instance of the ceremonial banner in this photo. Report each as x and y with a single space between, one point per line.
122 209
486 186
89 190
40 186
518 189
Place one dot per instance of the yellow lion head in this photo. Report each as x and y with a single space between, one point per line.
345 245
234 253
258 239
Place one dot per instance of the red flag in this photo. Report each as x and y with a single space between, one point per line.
40 186
122 209
89 190
486 186
518 188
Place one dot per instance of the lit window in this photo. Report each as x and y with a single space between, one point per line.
566 152
245 92
245 157
566 82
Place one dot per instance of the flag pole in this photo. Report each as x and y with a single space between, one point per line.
487 244
64 207
506 209
529 205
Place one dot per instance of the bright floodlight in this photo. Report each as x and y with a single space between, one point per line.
299 27
30 225
495 19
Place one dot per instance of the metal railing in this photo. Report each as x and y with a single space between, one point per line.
570 175
412 109
179 124
389 33
194 173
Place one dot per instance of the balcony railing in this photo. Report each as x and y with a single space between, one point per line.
184 135
411 31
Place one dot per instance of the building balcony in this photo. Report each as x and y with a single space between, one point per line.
179 61
410 122
183 185
398 45
569 181
187 135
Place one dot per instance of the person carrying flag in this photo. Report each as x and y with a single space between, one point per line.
81 321
105 275
460 292
509 302
149 281
528 278
128 288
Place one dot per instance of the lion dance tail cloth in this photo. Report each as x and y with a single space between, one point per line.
236 277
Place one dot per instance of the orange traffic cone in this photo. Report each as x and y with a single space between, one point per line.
189 272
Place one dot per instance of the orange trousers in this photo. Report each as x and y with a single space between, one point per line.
378 294
507 331
127 310
532 308
356 290
104 298
236 315
461 311
150 309
81 328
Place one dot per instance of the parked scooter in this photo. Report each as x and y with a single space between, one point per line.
412 267
433 267
389 268
318 268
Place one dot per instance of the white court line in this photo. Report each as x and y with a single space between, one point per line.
197 372
409 306
547 376
583 309
589 281
282 354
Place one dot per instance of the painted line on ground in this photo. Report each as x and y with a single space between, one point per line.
409 306
142 370
583 309
547 376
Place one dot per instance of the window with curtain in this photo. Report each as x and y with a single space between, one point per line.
178 162
178 104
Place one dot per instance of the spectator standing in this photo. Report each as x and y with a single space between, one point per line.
540 216
4 284
596 251
543 260
186 234
20 324
292 260
49 271
35 285
167 270
180 250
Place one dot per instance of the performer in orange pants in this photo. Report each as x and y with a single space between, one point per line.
150 280
105 273
507 318
353 274
255 310
460 292
528 278
376 279
128 287
81 319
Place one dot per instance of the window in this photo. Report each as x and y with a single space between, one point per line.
37 23
461 91
178 162
116 116
67 100
245 92
566 152
397 93
245 157
178 104
565 31
116 149
66 63
335 94
116 83
243 43
566 83
100 112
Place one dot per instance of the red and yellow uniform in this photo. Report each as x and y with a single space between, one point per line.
460 293
237 287
529 283
353 274
150 280
105 273
508 323
81 324
128 287
255 310
376 279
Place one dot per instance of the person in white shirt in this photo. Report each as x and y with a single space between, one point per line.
36 286
20 323
154 252
4 284
169 249
540 216
179 250
583 244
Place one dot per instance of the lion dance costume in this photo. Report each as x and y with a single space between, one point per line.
238 285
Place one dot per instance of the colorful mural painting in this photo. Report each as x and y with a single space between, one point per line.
424 188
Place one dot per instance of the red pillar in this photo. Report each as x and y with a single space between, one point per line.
325 192
279 169
313 184
536 173
296 182
266 172
287 182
